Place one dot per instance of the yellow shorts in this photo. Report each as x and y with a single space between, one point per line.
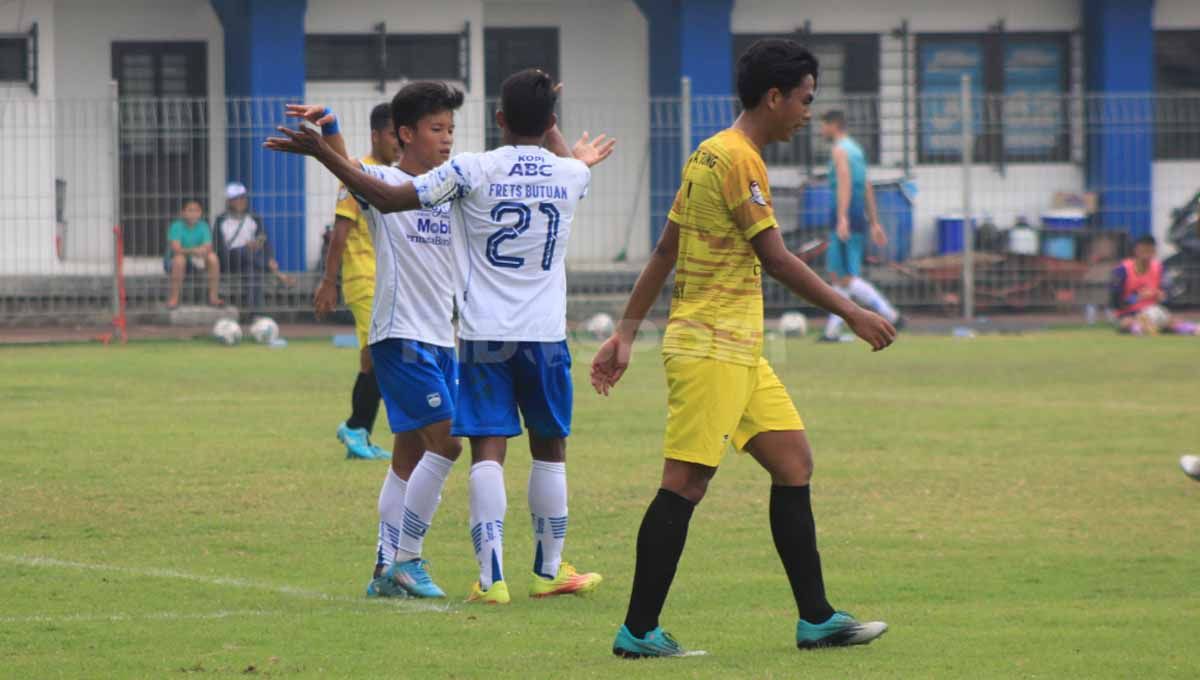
361 310
711 404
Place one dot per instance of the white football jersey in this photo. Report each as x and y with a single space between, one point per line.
512 211
414 269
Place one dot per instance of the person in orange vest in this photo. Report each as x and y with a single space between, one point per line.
1138 291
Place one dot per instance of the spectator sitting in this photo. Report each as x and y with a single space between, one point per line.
190 249
1138 291
243 245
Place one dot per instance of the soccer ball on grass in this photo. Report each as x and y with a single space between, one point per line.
599 326
264 330
793 323
227 332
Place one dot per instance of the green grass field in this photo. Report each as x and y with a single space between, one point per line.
1012 506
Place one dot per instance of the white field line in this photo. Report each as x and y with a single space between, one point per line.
399 605
155 616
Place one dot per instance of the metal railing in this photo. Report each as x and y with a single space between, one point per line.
1083 172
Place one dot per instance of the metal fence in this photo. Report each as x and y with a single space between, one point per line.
1054 187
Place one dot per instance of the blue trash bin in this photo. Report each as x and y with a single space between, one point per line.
950 233
894 201
816 206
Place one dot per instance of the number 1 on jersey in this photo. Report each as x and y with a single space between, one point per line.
523 215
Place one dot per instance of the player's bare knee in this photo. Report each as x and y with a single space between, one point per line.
689 480
548 449
488 448
798 474
450 448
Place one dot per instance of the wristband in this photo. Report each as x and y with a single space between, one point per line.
331 128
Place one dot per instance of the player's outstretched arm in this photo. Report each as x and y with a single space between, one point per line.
780 264
324 117
613 358
592 152
588 151
308 141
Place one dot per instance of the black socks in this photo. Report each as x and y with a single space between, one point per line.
659 544
364 403
795 535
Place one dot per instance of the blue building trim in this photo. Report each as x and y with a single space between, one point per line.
264 69
1119 58
706 46
687 38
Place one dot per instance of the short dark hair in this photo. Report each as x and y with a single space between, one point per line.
772 62
835 117
1146 240
189 201
381 116
527 99
422 98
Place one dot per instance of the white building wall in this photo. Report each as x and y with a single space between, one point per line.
27 224
1176 14
1021 189
1174 181
605 71
353 101
85 31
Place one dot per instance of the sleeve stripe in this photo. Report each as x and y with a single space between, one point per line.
761 226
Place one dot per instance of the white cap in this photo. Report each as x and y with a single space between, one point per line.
234 190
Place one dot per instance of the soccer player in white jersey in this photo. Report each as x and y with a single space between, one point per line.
411 336
512 209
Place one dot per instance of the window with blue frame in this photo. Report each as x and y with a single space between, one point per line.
1177 106
1019 86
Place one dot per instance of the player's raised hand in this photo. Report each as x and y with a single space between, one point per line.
610 363
873 328
306 140
313 113
593 151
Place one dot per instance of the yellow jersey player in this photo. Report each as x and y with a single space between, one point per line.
352 252
721 234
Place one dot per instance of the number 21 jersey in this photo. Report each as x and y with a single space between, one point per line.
513 208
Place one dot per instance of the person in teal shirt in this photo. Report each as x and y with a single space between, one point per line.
853 216
190 248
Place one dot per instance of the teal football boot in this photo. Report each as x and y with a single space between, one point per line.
413 576
357 443
841 630
656 643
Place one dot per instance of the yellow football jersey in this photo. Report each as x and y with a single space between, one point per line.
358 260
722 203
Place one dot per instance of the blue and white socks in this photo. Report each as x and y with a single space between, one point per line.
489 503
391 517
548 510
860 289
833 326
421 502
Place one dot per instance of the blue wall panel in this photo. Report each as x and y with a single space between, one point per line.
264 69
